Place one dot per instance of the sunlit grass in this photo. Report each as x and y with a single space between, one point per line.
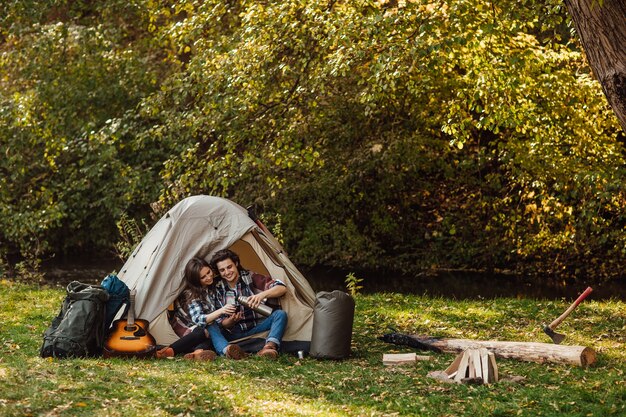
358 386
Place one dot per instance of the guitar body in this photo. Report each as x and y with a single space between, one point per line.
130 338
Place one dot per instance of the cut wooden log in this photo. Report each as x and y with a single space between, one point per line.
403 358
490 369
478 360
525 351
461 373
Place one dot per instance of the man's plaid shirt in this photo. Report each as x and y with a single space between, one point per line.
249 283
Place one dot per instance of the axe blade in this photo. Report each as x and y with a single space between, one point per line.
557 338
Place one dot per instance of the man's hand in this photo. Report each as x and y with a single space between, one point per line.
255 300
274 292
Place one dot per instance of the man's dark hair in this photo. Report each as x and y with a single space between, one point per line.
223 255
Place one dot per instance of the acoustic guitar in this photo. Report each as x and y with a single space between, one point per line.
129 338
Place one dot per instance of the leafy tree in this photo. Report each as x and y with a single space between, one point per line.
421 135
69 169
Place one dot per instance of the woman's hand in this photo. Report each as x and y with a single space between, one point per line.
230 321
228 309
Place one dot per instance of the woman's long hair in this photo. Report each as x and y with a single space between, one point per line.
193 289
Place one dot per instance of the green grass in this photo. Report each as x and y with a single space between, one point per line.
358 386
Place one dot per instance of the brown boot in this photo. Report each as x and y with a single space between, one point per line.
270 350
201 355
166 352
234 352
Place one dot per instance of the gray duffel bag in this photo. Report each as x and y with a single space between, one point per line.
333 316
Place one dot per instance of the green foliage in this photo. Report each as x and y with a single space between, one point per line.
459 134
131 233
276 225
71 81
29 271
411 135
353 284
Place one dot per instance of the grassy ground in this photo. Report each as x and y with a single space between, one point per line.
358 386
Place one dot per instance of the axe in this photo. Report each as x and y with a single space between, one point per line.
557 338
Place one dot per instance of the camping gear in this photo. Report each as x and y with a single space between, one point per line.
200 226
549 329
119 295
333 316
129 338
78 329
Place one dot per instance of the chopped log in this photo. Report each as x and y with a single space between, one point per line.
490 368
472 365
460 373
403 358
525 351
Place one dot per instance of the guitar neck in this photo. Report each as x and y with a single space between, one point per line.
130 319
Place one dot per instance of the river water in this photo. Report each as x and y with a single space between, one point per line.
453 284
473 285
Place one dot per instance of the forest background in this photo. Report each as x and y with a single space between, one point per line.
405 135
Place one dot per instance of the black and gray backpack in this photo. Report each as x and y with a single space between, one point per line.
78 330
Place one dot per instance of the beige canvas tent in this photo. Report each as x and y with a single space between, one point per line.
200 226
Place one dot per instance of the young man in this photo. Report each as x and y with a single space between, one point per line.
236 282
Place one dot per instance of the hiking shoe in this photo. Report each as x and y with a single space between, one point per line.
201 355
269 351
166 352
234 352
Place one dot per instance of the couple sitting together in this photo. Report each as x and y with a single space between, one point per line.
207 305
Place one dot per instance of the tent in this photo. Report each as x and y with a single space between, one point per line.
200 226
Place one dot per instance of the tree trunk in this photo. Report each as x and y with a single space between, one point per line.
525 351
601 26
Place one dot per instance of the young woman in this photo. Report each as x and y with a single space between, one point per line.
199 278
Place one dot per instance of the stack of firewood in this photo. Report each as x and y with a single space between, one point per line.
476 365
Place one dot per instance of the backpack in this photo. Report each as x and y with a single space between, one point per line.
119 295
78 329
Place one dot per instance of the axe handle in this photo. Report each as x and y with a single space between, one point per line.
571 308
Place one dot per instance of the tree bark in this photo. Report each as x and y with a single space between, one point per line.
525 351
601 26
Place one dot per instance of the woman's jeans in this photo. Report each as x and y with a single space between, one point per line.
276 323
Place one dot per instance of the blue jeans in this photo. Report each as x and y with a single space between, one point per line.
276 323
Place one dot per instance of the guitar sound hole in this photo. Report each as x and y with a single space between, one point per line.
140 332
